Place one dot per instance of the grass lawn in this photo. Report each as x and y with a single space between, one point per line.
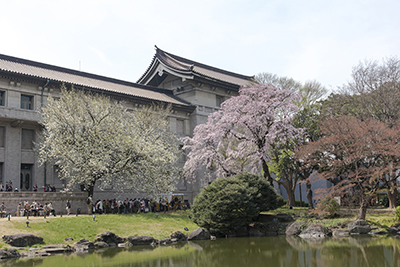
55 229
383 218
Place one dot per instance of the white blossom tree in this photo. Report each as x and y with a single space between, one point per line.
92 138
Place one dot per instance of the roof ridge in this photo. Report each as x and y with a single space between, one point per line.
198 64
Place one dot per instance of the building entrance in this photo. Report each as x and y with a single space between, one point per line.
25 183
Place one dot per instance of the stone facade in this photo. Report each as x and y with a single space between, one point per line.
195 90
77 199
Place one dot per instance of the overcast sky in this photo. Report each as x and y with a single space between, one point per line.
306 40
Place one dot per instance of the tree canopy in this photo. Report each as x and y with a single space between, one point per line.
95 140
372 93
239 137
358 157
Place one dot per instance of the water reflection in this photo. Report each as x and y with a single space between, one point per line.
266 251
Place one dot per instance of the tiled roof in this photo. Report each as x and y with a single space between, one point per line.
58 74
186 66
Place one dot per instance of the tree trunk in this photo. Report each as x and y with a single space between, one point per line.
267 175
90 189
309 195
301 197
363 208
291 199
392 195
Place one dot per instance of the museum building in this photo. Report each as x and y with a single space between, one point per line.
194 90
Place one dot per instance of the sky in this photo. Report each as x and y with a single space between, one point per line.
301 39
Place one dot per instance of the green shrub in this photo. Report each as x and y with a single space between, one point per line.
280 201
230 203
262 194
328 207
397 214
297 203
384 201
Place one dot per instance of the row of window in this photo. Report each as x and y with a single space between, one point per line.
26 100
27 138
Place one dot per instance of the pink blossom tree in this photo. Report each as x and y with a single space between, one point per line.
241 135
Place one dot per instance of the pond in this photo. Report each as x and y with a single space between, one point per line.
265 251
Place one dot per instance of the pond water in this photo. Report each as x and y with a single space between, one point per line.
265 251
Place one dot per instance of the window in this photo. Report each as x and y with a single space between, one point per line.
27 139
2 135
2 98
26 102
219 100
180 127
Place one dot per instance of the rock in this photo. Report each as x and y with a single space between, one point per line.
316 231
295 228
22 240
394 230
213 237
53 246
82 241
83 245
341 233
359 227
141 240
178 235
55 250
199 234
68 239
109 237
166 241
101 244
9 253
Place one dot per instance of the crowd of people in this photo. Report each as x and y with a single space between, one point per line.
48 188
35 209
106 206
136 205
10 188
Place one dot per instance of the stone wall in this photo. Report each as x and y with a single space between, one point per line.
58 200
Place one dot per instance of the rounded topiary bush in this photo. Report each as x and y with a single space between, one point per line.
230 203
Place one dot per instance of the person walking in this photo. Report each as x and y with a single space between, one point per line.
89 203
68 206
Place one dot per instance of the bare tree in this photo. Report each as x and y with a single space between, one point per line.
357 156
374 92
